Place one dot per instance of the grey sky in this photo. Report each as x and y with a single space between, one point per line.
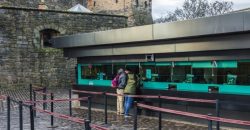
161 6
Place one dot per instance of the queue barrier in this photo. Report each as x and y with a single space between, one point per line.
209 117
159 97
2 97
57 100
29 104
34 90
88 126
88 92
21 105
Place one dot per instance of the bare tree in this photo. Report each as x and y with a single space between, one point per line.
218 8
192 9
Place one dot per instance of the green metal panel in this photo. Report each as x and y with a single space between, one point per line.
243 61
132 64
183 63
79 72
163 64
90 82
148 73
235 89
155 85
190 87
202 64
227 64
220 64
148 63
193 87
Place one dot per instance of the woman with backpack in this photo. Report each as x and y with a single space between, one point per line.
119 82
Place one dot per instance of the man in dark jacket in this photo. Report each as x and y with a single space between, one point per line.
122 82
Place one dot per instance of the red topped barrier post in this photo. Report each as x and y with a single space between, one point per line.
89 108
44 98
218 113
210 123
70 102
106 107
160 114
135 115
31 92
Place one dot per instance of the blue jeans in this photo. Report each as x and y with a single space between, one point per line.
128 104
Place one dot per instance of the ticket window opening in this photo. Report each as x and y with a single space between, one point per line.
172 87
213 89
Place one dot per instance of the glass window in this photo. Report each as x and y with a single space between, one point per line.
205 75
164 73
226 75
89 71
182 74
99 72
243 73
156 73
149 72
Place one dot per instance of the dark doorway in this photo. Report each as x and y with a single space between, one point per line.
46 35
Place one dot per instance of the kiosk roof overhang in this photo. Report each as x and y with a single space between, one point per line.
222 24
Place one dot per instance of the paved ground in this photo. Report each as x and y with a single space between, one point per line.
114 122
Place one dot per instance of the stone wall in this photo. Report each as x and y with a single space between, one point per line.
138 13
52 4
22 58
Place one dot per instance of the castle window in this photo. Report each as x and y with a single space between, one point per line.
146 4
46 35
137 3
116 1
94 3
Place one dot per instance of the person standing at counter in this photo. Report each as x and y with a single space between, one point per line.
130 89
121 83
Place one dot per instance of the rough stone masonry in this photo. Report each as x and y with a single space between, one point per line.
24 59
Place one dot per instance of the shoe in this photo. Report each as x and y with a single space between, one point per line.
122 113
127 116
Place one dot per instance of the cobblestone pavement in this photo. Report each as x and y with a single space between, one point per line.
42 122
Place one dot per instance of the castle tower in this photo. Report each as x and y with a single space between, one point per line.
137 11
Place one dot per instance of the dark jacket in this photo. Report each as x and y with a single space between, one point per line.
122 82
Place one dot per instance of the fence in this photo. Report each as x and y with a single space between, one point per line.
208 117
31 104
216 102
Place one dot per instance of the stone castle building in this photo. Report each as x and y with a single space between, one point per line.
27 25
137 11
25 53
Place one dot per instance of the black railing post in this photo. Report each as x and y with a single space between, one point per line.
34 103
52 110
21 115
32 125
106 108
31 92
210 123
44 98
8 113
217 113
89 108
70 102
135 115
87 125
160 114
